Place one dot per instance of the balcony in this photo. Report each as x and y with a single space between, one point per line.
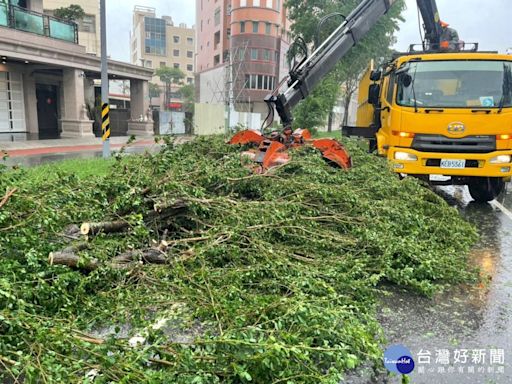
28 21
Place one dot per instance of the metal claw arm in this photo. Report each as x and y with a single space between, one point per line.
431 22
304 78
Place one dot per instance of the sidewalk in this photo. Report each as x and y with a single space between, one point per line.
42 147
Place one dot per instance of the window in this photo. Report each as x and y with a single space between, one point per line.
391 88
457 84
241 55
190 80
243 3
278 5
216 60
216 39
149 64
260 82
216 17
228 32
254 54
267 28
190 54
255 26
176 39
163 64
269 3
255 3
176 52
242 26
155 36
266 55
190 67
190 41
176 65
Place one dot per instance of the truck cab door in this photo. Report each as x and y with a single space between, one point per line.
384 114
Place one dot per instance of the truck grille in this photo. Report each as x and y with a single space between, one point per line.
469 144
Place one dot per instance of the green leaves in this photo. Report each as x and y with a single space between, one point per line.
278 285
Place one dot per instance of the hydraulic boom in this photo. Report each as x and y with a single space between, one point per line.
307 74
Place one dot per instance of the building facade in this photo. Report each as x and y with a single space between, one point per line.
158 42
88 27
241 51
47 78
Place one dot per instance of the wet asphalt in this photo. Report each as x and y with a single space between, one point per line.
464 320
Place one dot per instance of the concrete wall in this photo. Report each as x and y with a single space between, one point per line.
209 119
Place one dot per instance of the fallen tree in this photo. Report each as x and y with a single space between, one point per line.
261 278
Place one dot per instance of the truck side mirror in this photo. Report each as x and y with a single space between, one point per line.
374 94
405 79
375 75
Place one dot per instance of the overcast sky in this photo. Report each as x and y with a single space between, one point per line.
488 22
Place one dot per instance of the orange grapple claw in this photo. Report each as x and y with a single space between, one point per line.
272 150
333 151
247 136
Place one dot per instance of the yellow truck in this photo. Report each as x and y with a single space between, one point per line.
443 117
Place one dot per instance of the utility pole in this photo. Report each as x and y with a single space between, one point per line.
105 119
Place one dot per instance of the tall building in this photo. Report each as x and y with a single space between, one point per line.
88 27
157 42
241 51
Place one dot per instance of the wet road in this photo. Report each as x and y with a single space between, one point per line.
471 321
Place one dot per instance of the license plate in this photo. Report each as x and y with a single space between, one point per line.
453 164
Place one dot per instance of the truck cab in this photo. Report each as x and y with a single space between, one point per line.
443 117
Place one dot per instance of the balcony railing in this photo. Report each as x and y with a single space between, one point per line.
34 22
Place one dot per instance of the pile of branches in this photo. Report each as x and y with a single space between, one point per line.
218 275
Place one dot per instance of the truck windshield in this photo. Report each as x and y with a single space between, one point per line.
456 84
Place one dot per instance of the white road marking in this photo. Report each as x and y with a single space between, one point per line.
500 206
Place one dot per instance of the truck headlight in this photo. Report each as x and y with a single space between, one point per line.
501 159
404 156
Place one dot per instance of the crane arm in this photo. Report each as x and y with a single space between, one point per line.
307 75
431 21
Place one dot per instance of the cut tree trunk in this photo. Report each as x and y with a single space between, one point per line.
105 227
72 260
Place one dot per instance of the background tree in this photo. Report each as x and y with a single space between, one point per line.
72 13
188 94
306 14
154 91
169 76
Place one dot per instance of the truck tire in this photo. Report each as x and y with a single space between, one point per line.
485 189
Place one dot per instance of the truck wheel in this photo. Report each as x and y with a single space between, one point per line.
485 189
